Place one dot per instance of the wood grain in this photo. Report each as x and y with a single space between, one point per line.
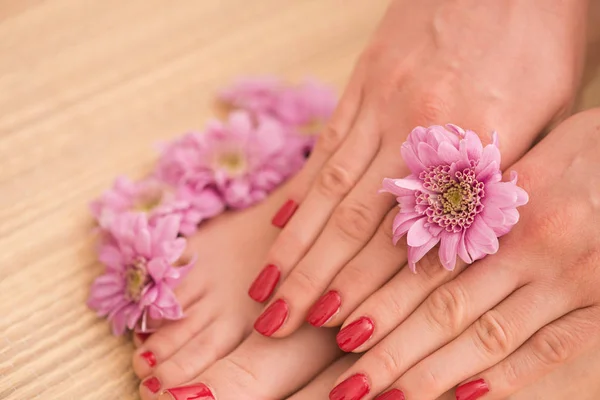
86 88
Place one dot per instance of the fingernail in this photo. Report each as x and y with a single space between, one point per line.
265 283
355 334
325 308
198 391
271 320
353 388
142 337
472 390
285 213
149 357
393 394
152 383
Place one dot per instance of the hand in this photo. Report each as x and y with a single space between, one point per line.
510 66
510 318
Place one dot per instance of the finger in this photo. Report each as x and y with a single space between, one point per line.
320 386
389 306
351 226
551 347
363 275
494 336
444 315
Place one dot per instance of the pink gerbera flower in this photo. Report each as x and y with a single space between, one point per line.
141 271
156 199
242 159
454 196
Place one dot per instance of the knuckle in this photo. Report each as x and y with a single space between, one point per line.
430 106
334 181
329 139
388 359
303 282
552 226
550 347
354 220
492 334
446 308
510 373
355 275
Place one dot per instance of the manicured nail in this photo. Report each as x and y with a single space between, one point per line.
393 394
285 213
265 283
198 391
152 383
355 334
325 308
149 357
353 388
271 320
472 390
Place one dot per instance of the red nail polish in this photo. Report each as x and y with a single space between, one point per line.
355 334
472 390
393 394
149 357
285 213
325 308
198 391
265 283
353 388
152 383
271 320
142 337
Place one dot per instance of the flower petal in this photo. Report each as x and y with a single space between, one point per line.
416 253
418 235
448 153
411 159
111 257
449 249
428 155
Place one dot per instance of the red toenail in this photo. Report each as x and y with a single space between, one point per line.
272 319
149 357
354 388
152 383
324 309
284 214
265 283
198 391
355 334
393 394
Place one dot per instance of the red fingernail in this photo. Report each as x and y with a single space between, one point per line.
393 394
285 213
472 390
353 388
271 320
265 283
152 383
149 357
198 391
355 334
142 337
325 308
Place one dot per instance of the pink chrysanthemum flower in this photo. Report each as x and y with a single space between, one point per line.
306 106
141 271
242 159
454 196
156 199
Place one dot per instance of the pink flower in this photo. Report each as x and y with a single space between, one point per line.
454 196
141 271
242 159
306 106
156 199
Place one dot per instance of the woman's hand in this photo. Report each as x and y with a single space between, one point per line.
511 318
509 66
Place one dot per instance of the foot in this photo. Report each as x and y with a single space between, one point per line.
219 314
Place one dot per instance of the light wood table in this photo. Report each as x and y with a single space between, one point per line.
86 88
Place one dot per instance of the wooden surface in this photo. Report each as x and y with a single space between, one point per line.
86 88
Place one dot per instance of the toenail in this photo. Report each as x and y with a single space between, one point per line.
324 309
284 214
197 391
265 283
271 320
354 388
149 357
152 383
355 334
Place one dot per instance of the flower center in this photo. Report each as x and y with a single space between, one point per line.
453 198
136 279
149 199
233 162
